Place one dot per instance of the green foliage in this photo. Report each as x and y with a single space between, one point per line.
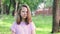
32 3
49 3
7 2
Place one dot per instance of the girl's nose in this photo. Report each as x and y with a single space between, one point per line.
25 13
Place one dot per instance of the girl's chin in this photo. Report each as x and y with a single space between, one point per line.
24 17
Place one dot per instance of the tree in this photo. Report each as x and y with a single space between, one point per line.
8 3
32 3
5 6
55 26
0 6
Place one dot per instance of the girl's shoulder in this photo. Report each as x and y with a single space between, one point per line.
14 23
13 26
32 25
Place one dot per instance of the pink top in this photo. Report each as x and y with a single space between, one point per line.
23 28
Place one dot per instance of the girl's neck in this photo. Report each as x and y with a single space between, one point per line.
23 20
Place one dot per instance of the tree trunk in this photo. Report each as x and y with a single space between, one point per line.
4 10
13 3
58 14
55 26
15 13
7 9
0 6
15 6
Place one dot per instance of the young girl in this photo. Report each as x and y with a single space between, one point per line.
23 24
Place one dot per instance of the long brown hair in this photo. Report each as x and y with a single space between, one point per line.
28 19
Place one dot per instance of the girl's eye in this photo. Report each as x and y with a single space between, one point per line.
23 11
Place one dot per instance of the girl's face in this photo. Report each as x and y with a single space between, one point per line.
24 12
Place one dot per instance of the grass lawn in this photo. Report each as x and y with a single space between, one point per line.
43 24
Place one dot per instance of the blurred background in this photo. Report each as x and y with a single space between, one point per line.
41 11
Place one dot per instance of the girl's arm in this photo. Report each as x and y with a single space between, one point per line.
33 32
12 32
12 29
33 28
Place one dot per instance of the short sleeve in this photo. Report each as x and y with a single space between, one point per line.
13 27
32 26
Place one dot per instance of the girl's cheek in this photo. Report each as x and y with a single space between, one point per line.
22 15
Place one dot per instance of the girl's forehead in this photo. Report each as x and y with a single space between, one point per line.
24 8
